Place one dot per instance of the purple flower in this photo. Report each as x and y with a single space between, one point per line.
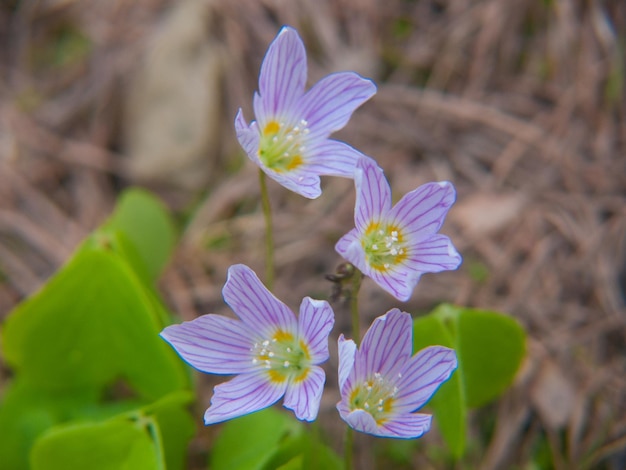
289 139
381 385
395 246
273 353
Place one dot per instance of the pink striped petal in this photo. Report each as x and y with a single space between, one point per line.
213 344
257 307
373 194
361 420
299 181
406 426
422 211
328 105
422 376
349 246
386 346
333 158
398 281
304 396
347 353
282 77
433 255
248 137
314 324
242 395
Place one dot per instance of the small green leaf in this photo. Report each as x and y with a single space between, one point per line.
148 225
297 463
92 323
448 403
249 442
489 347
175 426
117 444
25 413
304 449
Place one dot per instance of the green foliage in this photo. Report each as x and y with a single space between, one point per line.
490 348
267 440
147 225
92 327
110 445
134 440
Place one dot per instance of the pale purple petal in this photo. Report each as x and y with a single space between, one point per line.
299 181
328 105
433 255
333 158
314 324
213 344
242 395
248 137
406 426
398 281
347 352
349 246
304 396
387 345
283 75
422 375
373 194
256 306
422 211
361 420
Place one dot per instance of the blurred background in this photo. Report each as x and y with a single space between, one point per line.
520 103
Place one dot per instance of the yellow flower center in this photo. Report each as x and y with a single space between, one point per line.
283 355
384 246
376 396
282 146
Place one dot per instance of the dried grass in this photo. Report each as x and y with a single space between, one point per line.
519 103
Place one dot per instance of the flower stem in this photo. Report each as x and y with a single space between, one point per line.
357 277
354 305
347 455
269 236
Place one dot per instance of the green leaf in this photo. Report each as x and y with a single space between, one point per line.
175 426
92 323
306 450
249 442
117 444
297 463
448 403
25 413
148 225
490 347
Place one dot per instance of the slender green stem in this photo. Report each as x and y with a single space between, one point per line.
354 305
269 236
315 444
347 454
357 277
